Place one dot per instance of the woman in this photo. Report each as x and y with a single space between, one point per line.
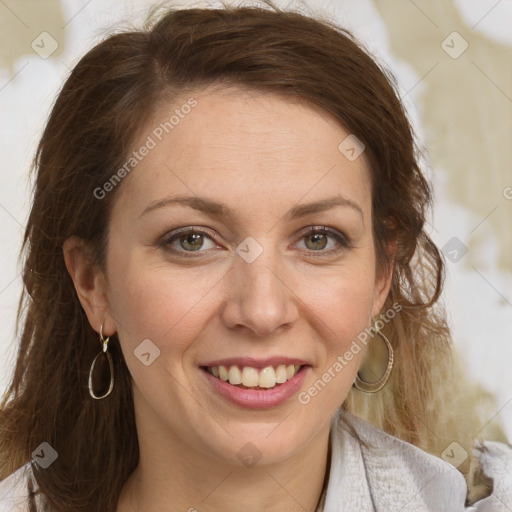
230 203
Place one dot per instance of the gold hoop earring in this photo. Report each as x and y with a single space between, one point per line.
99 386
374 387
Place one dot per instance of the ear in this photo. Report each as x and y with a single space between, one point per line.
90 284
384 278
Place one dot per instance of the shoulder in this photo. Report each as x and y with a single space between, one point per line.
496 463
402 475
398 474
15 494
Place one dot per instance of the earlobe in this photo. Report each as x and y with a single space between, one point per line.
90 284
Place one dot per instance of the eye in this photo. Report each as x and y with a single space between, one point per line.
316 239
188 240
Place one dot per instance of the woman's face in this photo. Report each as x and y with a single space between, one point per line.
233 277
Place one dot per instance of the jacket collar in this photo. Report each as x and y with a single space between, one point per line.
389 475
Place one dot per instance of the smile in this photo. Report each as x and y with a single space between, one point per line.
256 383
250 377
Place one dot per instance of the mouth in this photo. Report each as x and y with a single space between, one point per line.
256 383
250 377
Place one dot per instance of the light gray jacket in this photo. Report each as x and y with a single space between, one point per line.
389 476
393 475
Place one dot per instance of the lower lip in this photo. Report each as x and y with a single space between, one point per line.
257 398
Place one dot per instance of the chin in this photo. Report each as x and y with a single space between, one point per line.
260 443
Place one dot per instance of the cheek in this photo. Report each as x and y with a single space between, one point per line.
343 305
343 300
153 302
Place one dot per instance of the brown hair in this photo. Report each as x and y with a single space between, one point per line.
114 88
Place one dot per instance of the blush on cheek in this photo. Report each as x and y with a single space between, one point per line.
148 307
345 311
347 320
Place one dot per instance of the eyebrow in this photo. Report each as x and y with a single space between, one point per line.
221 210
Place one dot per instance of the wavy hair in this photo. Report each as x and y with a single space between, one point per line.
114 88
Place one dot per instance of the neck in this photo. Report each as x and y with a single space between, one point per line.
172 477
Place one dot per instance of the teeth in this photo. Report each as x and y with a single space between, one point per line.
251 377
267 377
235 375
281 375
223 373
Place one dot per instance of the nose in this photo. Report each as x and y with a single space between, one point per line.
260 296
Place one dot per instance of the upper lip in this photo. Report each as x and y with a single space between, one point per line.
256 363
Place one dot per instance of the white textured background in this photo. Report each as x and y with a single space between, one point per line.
461 108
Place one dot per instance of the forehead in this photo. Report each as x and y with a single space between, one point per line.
243 147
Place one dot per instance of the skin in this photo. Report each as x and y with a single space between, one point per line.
303 297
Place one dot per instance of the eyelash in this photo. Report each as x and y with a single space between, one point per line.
341 239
